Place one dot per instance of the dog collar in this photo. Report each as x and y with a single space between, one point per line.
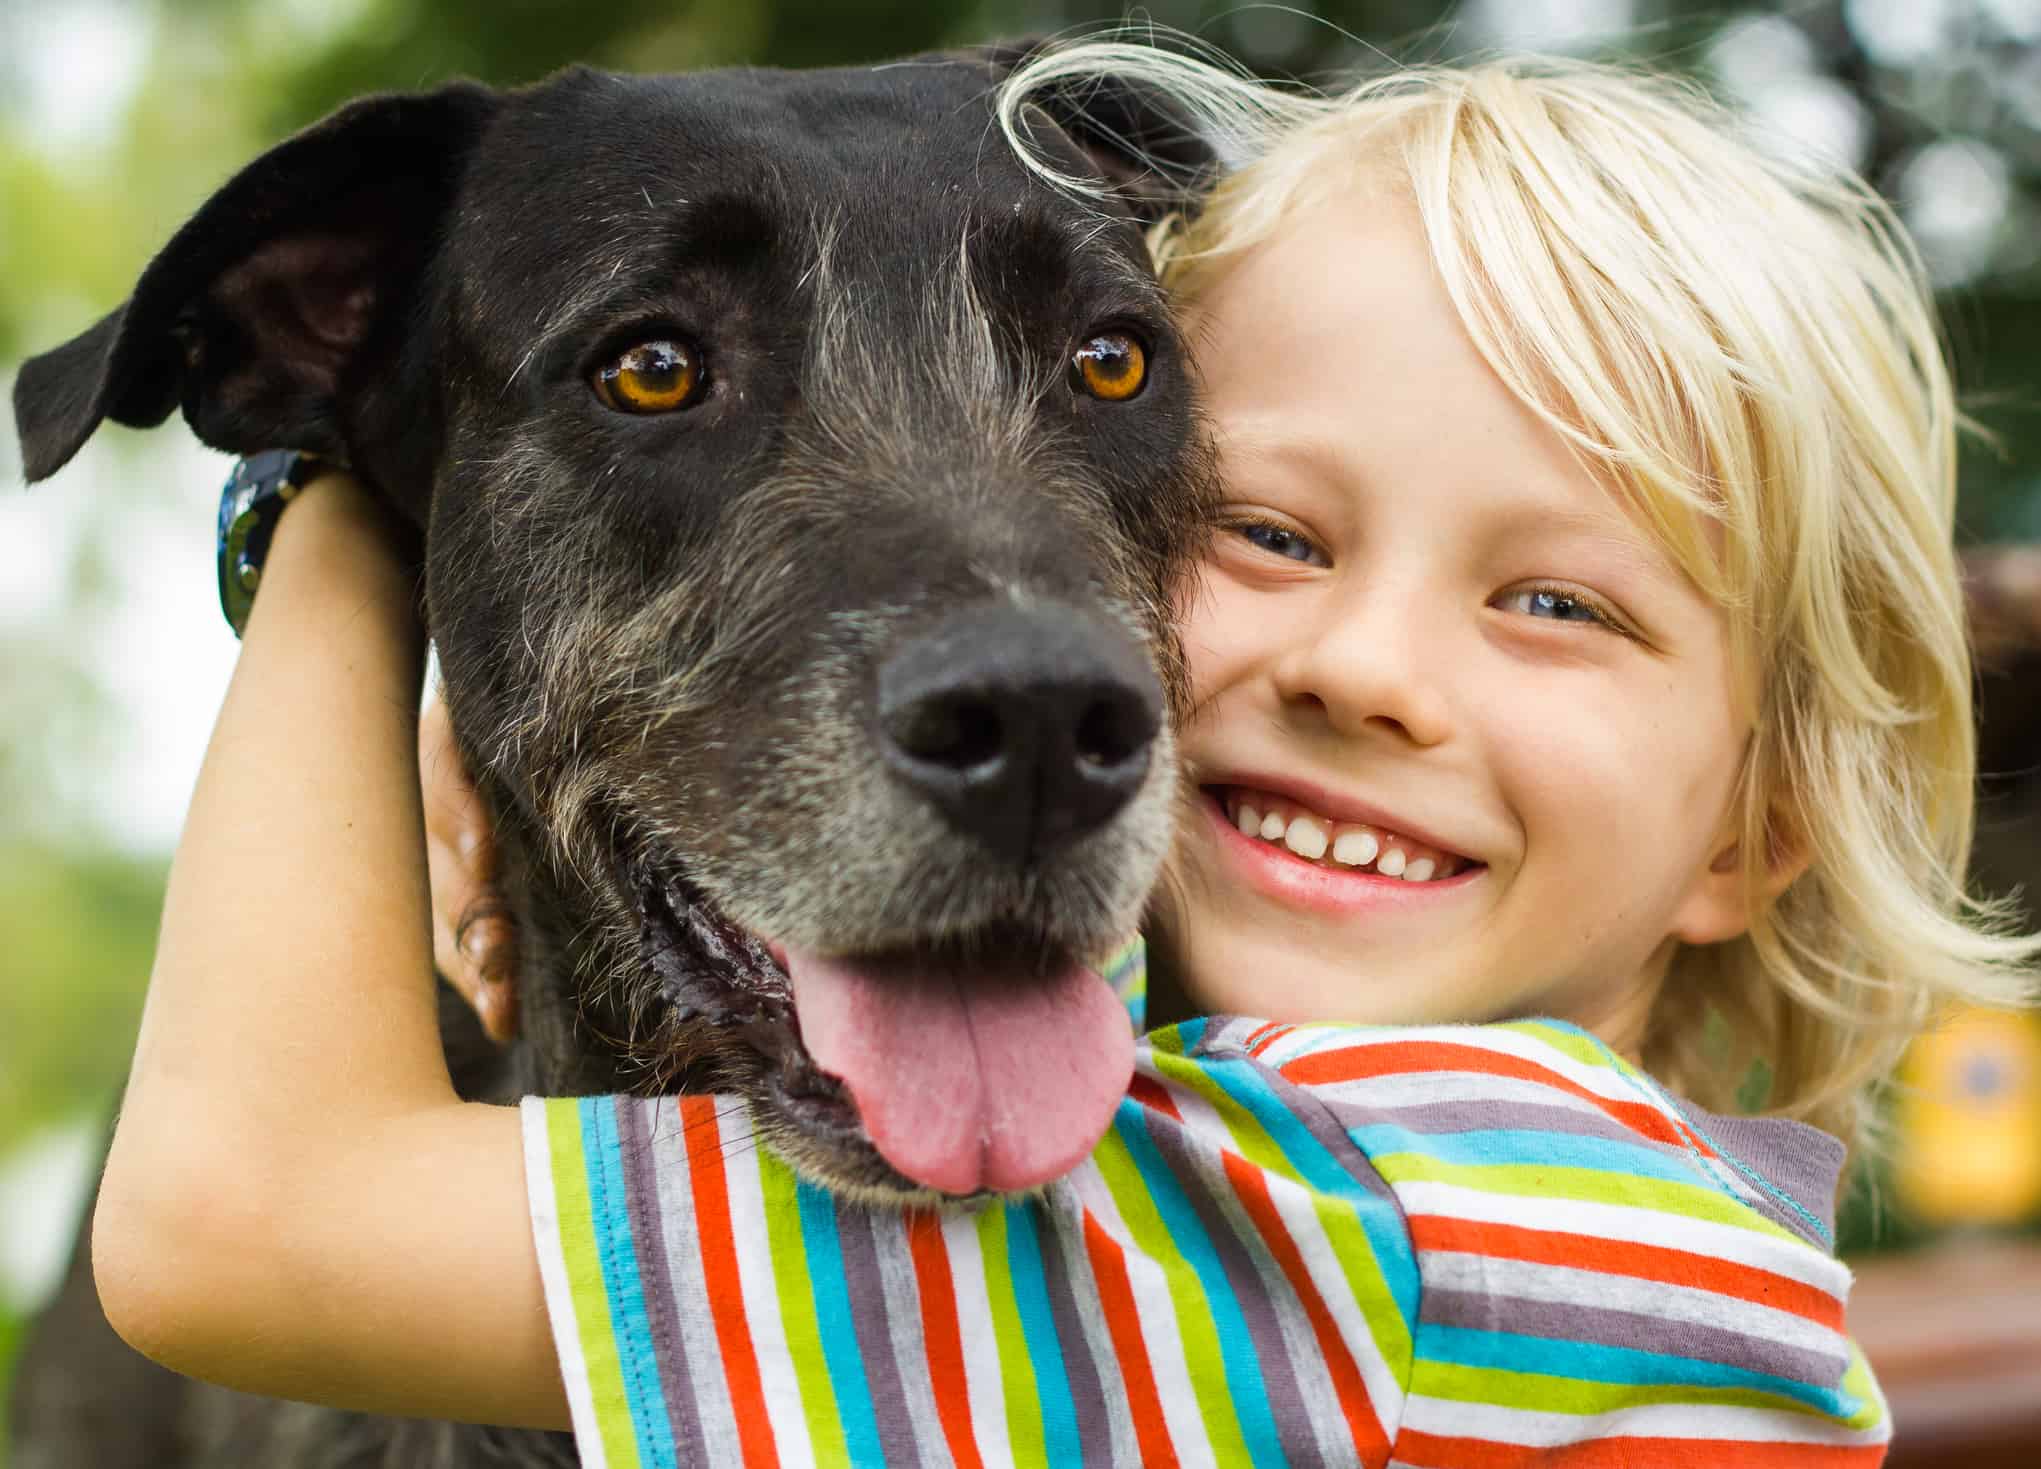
250 505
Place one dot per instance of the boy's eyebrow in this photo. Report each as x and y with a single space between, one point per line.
1631 544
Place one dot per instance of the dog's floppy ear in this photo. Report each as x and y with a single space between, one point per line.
1151 154
272 306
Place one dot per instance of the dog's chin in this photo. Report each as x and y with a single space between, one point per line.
726 991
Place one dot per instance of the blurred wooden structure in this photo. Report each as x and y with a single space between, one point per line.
1954 1333
1954 1330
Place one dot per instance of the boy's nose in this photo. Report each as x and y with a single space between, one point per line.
1368 666
1025 726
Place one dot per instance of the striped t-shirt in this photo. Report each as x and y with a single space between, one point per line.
1468 1246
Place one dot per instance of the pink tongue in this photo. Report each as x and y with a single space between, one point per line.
967 1085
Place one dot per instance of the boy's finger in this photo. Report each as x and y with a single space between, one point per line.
471 935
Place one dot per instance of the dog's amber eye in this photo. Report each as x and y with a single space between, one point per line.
652 377
1112 366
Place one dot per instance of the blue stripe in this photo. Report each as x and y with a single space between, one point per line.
836 1326
1511 1351
1246 1083
1038 1329
1249 1397
1506 1146
609 1210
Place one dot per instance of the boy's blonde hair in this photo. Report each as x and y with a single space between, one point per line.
1744 342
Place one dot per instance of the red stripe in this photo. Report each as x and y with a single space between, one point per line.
1659 1263
1151 1094
725 1289
941 1336
1371 1443
1433 1451
1123 1324
1401 1058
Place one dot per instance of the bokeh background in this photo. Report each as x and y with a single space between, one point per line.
118 117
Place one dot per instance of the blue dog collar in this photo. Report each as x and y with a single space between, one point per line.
250 505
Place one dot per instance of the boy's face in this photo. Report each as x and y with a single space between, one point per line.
1397 638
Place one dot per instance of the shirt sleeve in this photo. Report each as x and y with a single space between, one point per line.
1600 1280
1226 1281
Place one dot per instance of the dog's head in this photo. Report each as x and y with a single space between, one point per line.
801 483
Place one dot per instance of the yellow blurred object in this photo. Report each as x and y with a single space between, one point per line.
1967 1121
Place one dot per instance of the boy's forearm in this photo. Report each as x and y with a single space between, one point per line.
291 1001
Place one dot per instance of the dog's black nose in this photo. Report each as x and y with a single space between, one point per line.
1026 726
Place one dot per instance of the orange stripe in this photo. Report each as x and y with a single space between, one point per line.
1432 1451
1355 1063
1661 1263
941 1337
1151 1094
719 1275
1265 1035
1116 1298
1370 1442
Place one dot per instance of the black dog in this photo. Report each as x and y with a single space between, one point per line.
798 485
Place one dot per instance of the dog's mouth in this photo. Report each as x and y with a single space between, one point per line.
986 1063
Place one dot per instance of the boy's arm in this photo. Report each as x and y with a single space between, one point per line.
296 1203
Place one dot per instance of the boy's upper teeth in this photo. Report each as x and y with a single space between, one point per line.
1350 844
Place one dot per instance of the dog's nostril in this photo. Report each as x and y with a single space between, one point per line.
960 732
1112 731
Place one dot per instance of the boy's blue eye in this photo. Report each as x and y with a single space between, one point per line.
1558 606
1275 538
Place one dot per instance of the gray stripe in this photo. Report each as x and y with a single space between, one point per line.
871 1320
1294 1428
1094 1432
1635 1331
1434 1119
635 1118
716 1418
910 1351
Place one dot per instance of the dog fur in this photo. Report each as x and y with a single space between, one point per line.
659 636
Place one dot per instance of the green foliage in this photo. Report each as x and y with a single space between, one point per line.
77 932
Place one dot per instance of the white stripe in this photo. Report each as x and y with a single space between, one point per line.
1453 1417
1296 1205
707 1384
982 1385
1493 1275
1400 1090
1156 1314
1778 1253
743 1154
538 1182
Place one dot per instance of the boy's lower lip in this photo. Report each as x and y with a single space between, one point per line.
1277 873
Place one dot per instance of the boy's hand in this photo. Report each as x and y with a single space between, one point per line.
472 937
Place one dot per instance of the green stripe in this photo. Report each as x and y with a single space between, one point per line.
1196 1329
1016 1366
1539 1392
1586 1185
797 1308
1861 1385
1569 1043
1351 1248
583 1264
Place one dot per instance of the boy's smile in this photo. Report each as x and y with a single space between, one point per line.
1465 739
